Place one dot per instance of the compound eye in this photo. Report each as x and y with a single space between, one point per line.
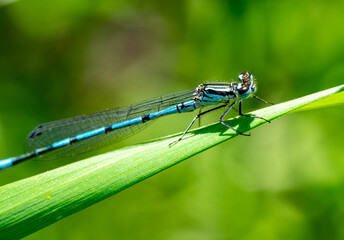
241 76
245 76
243 90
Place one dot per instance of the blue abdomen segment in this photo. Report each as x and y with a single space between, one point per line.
6 163
90 133
161 113
126 123
61 143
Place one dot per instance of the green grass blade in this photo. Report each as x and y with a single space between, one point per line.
36 202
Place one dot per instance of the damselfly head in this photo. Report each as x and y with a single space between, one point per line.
247 85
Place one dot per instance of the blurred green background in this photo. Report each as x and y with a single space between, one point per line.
64 58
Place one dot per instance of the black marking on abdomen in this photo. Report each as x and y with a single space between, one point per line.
177 106
73 140
145 118
182 106
108 129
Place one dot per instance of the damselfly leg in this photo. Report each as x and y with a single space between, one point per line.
193 120
225 113
247 115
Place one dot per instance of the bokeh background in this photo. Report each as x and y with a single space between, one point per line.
68 57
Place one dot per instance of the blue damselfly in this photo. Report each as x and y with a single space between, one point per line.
84 133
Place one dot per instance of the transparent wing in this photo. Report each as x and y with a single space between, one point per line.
48 133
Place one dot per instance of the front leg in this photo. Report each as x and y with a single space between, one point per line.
246 115
224 114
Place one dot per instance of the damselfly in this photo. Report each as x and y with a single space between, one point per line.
84 133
